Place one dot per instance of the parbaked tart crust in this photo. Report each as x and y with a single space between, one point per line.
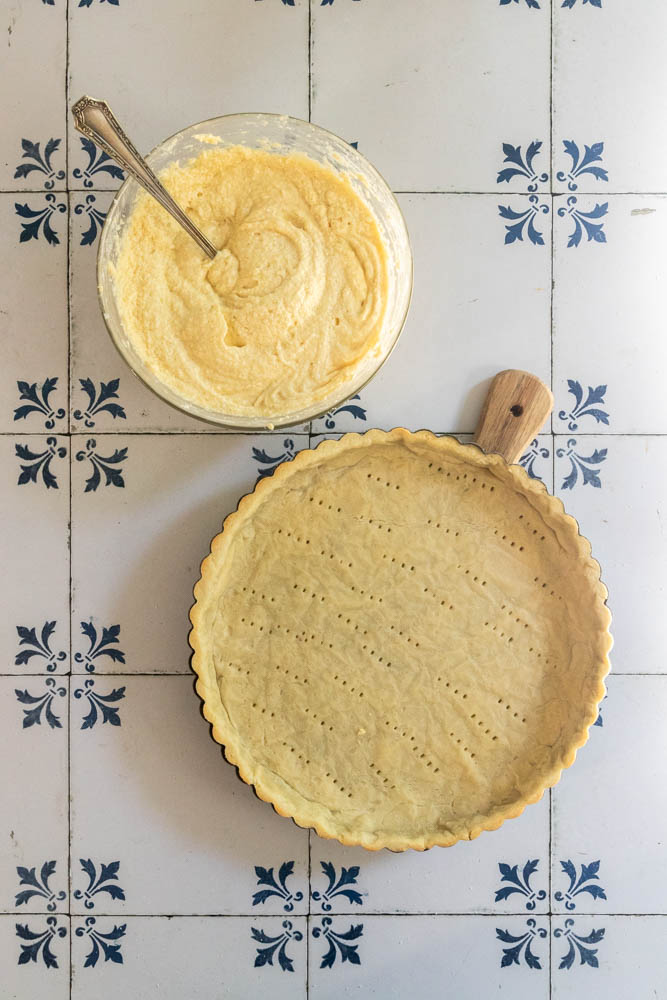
400 640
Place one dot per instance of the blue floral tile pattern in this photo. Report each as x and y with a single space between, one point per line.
533 454
100 645
520 166
39 162
339 943
585 222
519 883
270 944
89 3
37 944
579 944
108 465
582 163
38 463
38 886
40 647
519 945
100 706
99 162
276 887
338 885
105 882
38 220
269 463
94 217
582 465
572 3
356 411
586 882
107 943
40 705
589 407
600 720
520 221
37 401
99 401
529 3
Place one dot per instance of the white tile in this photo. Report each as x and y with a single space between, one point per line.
33 53
34 526
33 328
220 59
462 879
609 300
188 957
619 957
47 974
33 794
609 86
116 399
144 511
480 305
623 765
615 487
153 797
422 956
432 93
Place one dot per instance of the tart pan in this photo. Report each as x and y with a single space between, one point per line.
486 775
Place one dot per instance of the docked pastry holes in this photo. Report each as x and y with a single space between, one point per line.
411 642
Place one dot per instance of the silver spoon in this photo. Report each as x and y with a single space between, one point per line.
96 120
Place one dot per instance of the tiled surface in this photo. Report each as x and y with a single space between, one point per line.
462 327
157 527
213 48
429 100
33 365
190 957
610 86
612 335
162 825
523 137
587 825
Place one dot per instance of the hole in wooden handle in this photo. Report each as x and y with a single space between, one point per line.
514 411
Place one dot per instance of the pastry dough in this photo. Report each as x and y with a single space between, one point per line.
400 640
288 311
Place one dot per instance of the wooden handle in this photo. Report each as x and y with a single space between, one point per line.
514 411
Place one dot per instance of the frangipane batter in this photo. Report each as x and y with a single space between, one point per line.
289 308
400 640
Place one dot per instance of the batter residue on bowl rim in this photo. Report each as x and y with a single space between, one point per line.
289 309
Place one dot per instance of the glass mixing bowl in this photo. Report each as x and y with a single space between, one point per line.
279 134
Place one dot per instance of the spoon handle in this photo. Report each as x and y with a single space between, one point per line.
96 120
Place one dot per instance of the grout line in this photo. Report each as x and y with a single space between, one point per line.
552 152
310 58
489 915
587 192
310 833
69 460
552 165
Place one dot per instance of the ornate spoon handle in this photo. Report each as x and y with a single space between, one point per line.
96 120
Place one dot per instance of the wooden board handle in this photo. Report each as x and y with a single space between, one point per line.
514 411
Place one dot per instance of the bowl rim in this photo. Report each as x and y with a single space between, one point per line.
246 424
